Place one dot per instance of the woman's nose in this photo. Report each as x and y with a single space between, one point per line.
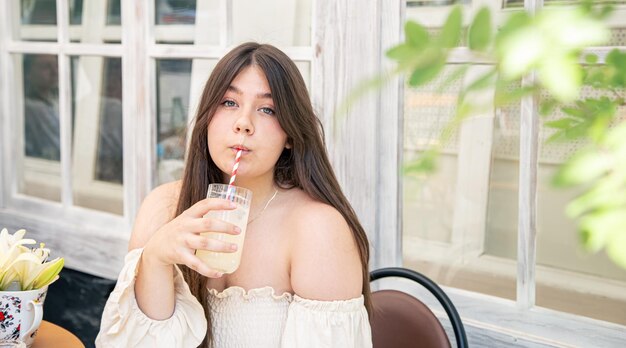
244 124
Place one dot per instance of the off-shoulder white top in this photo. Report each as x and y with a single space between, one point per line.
256 318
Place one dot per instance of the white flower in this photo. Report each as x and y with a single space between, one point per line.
29 267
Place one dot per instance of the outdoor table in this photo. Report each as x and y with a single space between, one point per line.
52 336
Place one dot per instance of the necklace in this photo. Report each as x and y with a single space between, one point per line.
265 207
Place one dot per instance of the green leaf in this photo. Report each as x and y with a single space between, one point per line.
426 163
563 123
456 74
571 28
49 274
480 30
451 31
516 21
505 96
591 58
602 197
402 52
521 51
616 247
416 35
599 228
576 112
616 63
547 106
561 75
582 167
605 11
487 80
426 73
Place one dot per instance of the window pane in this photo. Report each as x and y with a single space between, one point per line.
39 167
423 3
600 284
177 22
102 24
444 225
38 20
97 162
173 95
176 11
502 205
280 22
113 11
260 21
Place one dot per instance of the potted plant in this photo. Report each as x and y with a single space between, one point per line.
25 273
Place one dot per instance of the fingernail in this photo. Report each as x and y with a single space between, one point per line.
237 229
233 247
219 274
232 205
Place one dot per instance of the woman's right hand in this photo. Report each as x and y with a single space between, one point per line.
176 241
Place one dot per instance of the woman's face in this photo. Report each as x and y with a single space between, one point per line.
247 109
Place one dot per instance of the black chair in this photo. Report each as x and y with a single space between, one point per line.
400 320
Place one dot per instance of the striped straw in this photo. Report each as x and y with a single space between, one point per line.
235 167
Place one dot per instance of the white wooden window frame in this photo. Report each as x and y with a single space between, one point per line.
89 240
490 320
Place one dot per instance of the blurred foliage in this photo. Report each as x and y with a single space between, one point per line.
548 45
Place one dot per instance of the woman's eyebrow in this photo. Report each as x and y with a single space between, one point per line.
262 95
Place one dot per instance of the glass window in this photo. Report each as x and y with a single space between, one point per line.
37 20
281 22
42 12
173 95
176 11
39 170
443 219
103 24
423 3
97 158
502 210
113 11
600 284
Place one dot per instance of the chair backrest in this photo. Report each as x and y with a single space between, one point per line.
401 320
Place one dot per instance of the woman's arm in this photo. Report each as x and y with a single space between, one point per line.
326 275
168 241
325 261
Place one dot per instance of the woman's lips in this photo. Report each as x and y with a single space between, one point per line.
243 149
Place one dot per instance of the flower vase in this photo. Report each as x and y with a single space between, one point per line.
21 313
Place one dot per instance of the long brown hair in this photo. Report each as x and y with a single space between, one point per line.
305 165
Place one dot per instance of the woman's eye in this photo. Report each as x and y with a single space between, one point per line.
267 111
229 103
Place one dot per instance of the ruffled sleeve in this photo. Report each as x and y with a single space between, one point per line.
325 324
125 325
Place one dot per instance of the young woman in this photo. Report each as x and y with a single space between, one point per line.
303 277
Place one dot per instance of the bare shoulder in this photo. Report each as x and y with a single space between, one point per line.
157 209
325 261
